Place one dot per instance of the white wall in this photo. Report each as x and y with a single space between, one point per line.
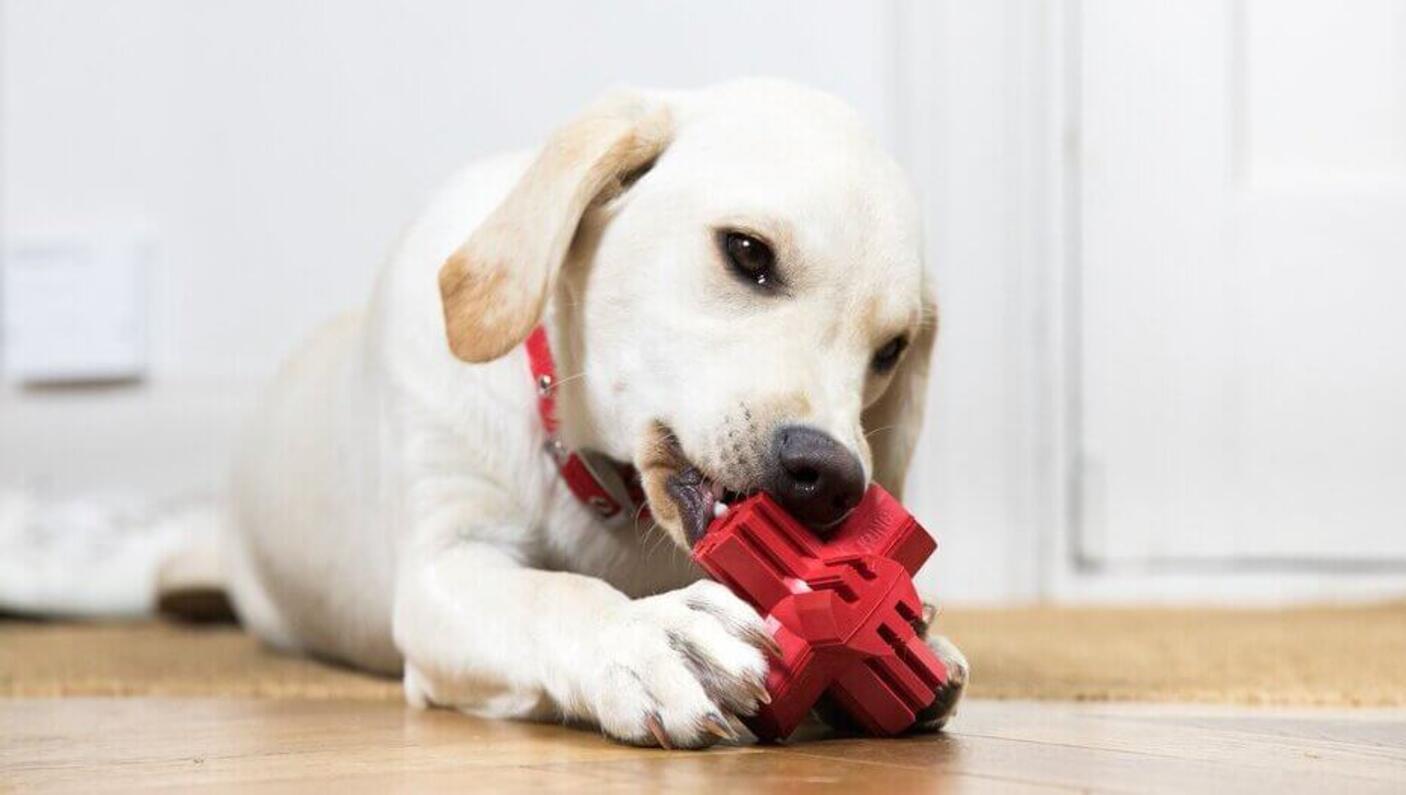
277 147
274 149
975 130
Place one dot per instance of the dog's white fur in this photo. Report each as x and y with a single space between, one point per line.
394 505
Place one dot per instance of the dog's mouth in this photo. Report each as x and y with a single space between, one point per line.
694 497
699 500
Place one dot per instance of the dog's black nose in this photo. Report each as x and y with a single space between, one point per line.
815 478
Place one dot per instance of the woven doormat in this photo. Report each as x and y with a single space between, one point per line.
1339 656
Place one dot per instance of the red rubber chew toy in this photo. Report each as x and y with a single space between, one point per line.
842 609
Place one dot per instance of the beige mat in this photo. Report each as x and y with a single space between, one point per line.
1341 656
1328 656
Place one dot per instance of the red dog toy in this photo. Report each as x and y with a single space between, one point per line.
842 609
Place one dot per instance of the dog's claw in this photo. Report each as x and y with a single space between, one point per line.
929 614
716 725
763 640
656 728
758 692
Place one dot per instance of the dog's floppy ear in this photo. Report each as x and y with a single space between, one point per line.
897 416
496 284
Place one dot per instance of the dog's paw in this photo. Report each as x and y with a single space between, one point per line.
672 669
944 706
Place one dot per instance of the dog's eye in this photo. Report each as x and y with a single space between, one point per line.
750 258
886 357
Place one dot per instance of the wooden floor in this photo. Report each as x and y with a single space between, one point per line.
177 745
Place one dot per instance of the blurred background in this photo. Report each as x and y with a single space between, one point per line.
1169 240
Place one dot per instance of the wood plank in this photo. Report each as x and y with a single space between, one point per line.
154 744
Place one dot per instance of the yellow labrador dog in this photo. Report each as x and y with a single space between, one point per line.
730 287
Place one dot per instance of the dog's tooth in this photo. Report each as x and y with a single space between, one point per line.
719 510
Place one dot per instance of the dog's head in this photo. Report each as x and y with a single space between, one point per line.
740 273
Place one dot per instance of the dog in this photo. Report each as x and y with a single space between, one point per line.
728 285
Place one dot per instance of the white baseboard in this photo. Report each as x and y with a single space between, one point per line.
1229 587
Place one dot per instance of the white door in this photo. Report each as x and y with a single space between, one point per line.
1239 262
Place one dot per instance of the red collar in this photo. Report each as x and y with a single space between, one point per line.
607 486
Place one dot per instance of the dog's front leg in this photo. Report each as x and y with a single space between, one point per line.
484 634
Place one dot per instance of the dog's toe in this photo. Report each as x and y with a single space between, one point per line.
944 706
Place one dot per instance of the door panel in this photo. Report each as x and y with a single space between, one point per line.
1241 277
